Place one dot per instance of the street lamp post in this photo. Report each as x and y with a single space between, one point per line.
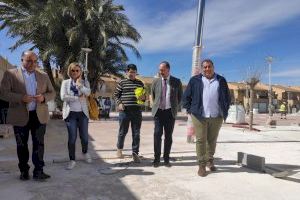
270 122
198 38
196 59
288 102
85 70
269 59
86 51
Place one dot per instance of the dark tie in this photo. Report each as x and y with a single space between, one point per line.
163 95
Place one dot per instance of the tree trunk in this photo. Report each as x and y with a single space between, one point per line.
47 66
93 82
251 108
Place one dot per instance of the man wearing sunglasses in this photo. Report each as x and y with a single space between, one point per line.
28 90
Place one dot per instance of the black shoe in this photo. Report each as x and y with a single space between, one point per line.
24 176
136 157
40 176
167 164
155 164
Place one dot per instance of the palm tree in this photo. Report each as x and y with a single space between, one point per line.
60 28
252 82
103 29
22 18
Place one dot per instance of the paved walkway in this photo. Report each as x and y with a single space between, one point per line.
111 178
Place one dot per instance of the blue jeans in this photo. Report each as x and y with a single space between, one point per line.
133 116
77 120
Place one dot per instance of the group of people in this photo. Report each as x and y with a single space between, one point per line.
28 90
166 93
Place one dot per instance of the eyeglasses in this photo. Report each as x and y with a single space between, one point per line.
75 70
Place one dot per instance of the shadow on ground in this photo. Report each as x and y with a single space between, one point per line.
83 182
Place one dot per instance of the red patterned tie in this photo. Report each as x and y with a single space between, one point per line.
163 95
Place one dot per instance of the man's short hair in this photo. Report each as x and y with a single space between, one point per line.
25 52
207 60
131 67
166 63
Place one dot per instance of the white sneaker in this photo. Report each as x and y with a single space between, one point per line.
88 158
71 165
119 153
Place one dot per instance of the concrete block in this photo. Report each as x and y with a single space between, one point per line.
295 124
251 161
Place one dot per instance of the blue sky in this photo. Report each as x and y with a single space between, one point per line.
238 35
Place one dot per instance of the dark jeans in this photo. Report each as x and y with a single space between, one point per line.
163 120
3 115
37 133
77 120
106 113
133 116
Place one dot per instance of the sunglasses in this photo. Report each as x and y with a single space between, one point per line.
31 61
75 70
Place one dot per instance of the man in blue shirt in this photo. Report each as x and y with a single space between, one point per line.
207 99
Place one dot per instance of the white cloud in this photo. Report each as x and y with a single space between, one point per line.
290 73
228 25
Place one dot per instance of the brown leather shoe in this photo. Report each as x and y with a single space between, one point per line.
202 171
210 166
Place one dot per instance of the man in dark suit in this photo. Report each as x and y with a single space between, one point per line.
166 92
28 90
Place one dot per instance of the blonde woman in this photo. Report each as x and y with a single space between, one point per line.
75 111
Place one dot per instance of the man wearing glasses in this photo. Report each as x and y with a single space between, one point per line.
28 90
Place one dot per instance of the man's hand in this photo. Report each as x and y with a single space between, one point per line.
39 98
27 98
121 107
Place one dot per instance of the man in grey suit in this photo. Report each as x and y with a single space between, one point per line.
166 92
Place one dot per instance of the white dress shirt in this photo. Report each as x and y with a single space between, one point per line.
211 106
30 85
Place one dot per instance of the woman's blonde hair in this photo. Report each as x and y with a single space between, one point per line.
72 66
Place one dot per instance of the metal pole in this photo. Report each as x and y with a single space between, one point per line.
196 58
198 38
200 20
269 60
86 60
288 104
87 51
